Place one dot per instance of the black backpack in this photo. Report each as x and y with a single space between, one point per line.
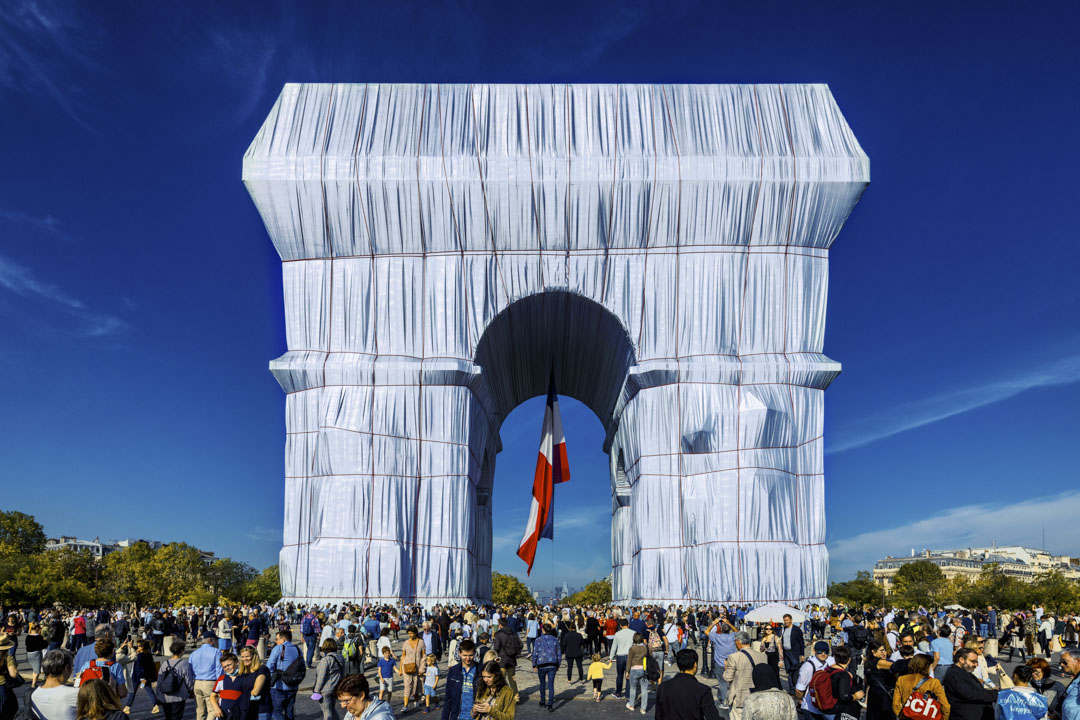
294 674
169 681
511 645
859 635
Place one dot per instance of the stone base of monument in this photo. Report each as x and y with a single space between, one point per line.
992 647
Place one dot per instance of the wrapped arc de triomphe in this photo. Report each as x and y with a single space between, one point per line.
663 249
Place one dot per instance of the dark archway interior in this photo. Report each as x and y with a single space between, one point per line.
578 339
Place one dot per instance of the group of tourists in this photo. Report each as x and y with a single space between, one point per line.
817 663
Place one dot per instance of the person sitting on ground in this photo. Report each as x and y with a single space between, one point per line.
682 695
55 700
98 701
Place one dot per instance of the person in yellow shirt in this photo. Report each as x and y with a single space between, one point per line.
596 674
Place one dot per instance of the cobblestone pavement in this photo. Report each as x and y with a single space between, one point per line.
572 699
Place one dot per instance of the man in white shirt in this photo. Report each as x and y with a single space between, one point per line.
820 660
620 646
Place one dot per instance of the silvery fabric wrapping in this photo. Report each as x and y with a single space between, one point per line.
662 248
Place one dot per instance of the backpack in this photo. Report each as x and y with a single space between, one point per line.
169 680
921 706
294 674
652 671
307 627
821 689
655 641
349 650
511 645
98 671
859 635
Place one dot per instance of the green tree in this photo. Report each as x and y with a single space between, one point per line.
265 587
597 592
1056 592
508 590
918 583
21 532
127 574
175 570
228 578
63 576
860 591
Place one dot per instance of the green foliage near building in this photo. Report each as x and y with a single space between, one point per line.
508 590
858 592
597 592
137 575
918 584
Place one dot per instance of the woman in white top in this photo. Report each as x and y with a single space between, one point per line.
55 700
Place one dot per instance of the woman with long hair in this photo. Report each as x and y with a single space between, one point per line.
880 682
256 681
328 674
770 645
98 701
495 699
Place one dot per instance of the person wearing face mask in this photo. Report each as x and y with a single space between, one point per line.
229 701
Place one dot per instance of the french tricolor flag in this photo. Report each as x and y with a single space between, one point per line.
551 468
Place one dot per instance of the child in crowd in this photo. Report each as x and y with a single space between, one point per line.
387 666
431 681
596 674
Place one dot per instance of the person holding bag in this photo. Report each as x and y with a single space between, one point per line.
917 692
413 665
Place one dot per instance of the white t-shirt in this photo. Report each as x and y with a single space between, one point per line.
56 703
806 671
671 631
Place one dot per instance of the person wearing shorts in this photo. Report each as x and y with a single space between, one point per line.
596 674
387 666
431 681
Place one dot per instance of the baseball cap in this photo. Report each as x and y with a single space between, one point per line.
821 646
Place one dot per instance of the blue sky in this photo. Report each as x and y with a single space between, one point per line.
140 298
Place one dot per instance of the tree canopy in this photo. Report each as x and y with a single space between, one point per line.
138 574
508 590
597 592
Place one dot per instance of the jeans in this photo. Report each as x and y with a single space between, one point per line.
329 706
529 643
547 683
620 671
53 646
284 702
129 702
638 682
721 684
309 648
984 630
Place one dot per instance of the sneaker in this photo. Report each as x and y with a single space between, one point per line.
542 703
551 708
643 711
156 710
127 710
629 706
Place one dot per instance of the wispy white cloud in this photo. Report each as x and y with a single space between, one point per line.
241 59
977 525
21 281
41 43
893 421
264 534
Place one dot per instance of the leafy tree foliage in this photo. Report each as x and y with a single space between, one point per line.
597 592
508 590
138 574
860 591
21 532
918 583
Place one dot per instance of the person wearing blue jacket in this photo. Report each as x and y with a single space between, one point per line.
546 656
281 657
1020 702
1070 704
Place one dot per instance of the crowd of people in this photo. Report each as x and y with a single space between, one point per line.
817 663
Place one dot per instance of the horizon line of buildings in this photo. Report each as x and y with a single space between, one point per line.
1019 561
100 549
